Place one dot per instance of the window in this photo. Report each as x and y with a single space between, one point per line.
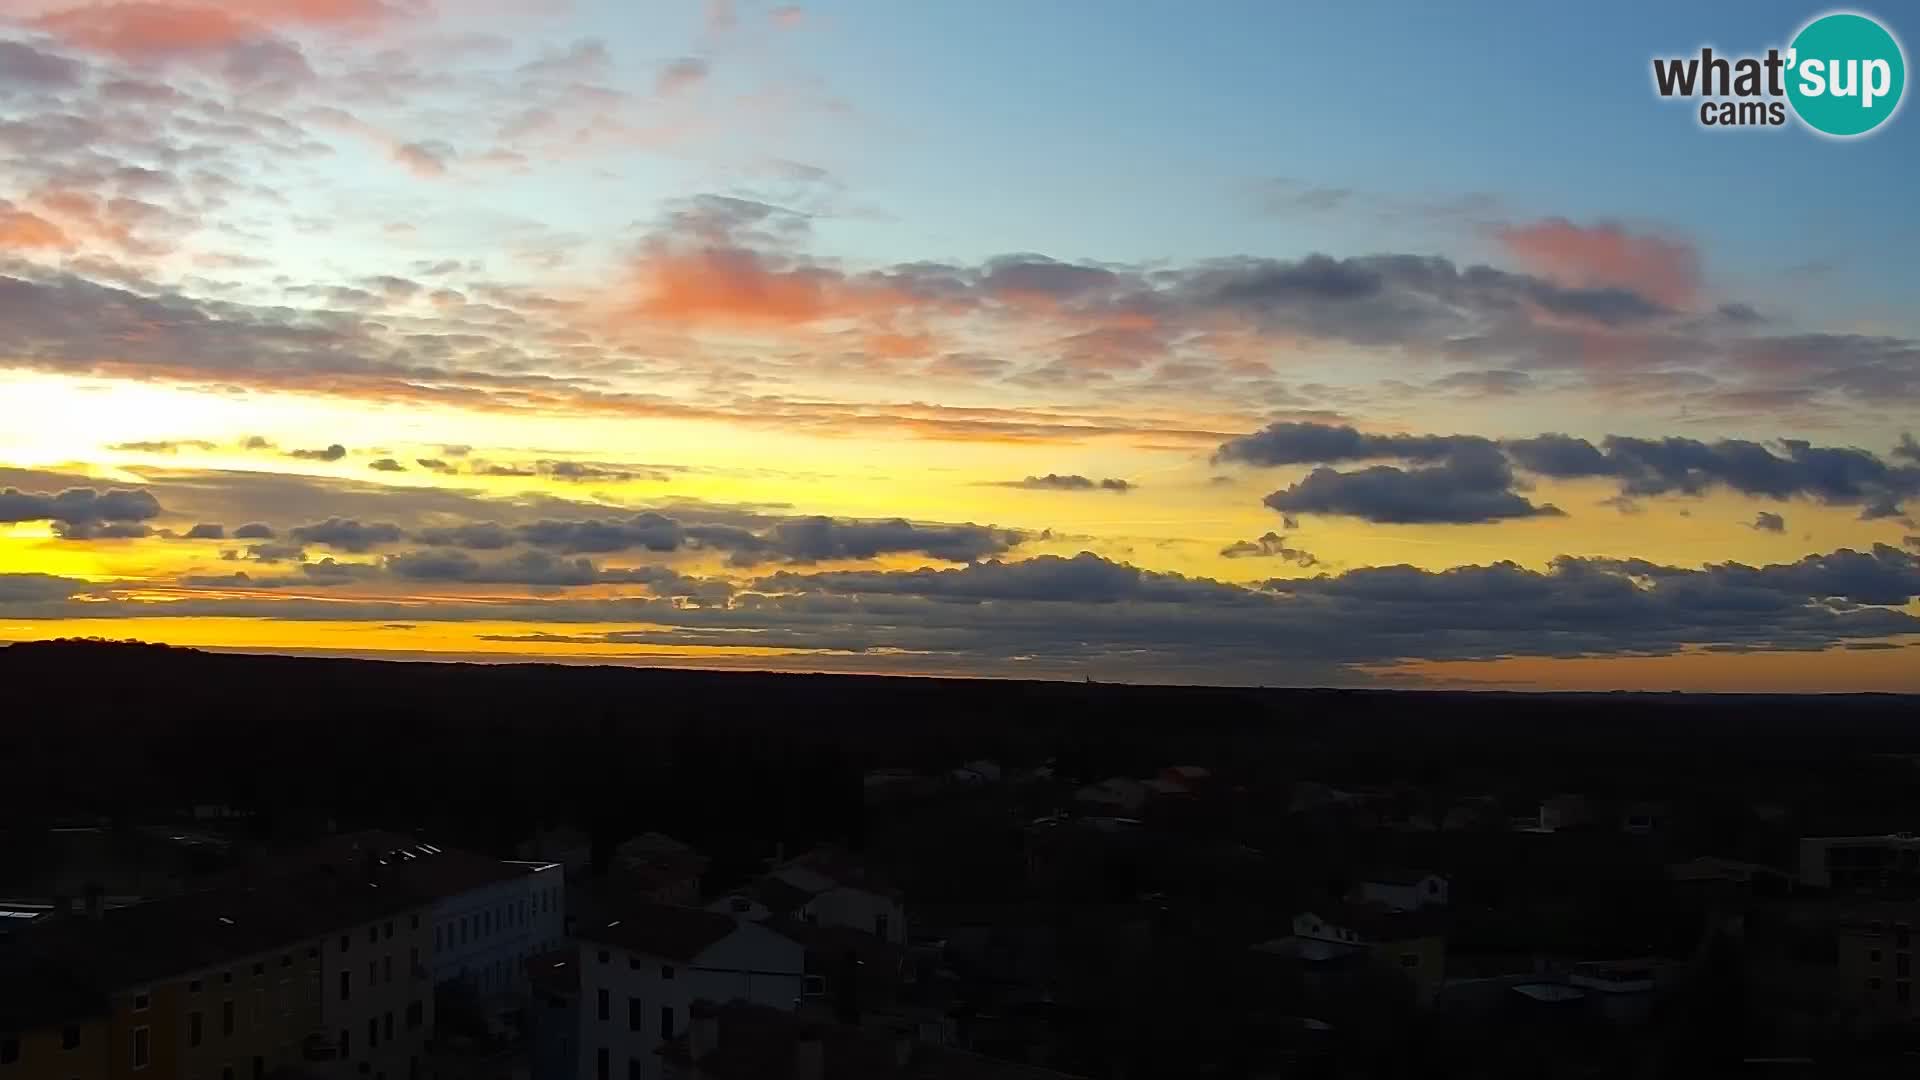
604 956
193 987
226 1072
373 935
346 985
259 1067
386 968
226 1018
140 1002
373 1032
313 952
633 1014
413 960
386 1026
880 926
389 929
633 1069
666 971
1902 936
346 1042
605 1005
373 973
600 1065
1873 984
1903 992
1873 957
633 963
1409 960
9 1050
142 1048
1902 965
193 1029
70 1038
666 1023
226 978
345 943
416 1015
259 968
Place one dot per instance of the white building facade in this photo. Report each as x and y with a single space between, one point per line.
641 973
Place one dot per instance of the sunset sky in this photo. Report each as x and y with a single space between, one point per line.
1396 344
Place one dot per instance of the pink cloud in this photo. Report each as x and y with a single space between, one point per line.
139 29
1661 268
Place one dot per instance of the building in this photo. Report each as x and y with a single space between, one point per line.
1401 889
52 1027
1410 943
826 887
242 982
1874 959
743 1041
486 915
1860 862
641 972
553 1015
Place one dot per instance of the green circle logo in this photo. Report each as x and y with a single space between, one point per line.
1845 74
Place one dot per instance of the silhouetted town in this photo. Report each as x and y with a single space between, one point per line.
221 867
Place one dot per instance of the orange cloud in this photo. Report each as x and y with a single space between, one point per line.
1662 269
22 231
146 28
737 287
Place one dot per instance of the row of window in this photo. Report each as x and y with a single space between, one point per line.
1902 962
475 925
603 1065
635 1012
379 972
1902 990
381 1027
378 932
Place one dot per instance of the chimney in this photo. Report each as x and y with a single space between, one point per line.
703 1030
809 1055
96 900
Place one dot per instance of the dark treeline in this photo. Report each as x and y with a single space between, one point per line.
732 761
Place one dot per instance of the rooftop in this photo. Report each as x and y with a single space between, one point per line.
755 1042
662 930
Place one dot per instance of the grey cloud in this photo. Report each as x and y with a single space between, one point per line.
1071 482
346 534
207 531
1270 546
1643 467
1470 487
477 536
435 464
1296 443
253 530
331 453
386 464
79 507
1769 522
1088 614
22 65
